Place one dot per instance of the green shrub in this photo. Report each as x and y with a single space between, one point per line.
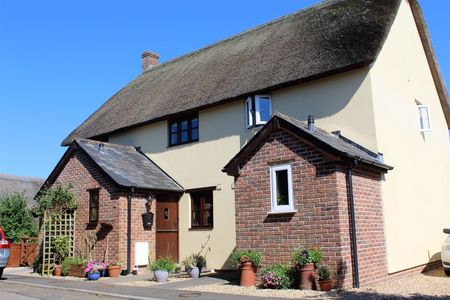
277 277
163 264
15 218
61 246
70 261
200 260
188 262
324 273
303 256
242 256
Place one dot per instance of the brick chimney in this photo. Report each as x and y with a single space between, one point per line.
149 59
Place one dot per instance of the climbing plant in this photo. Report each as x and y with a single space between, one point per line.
56 200
56 206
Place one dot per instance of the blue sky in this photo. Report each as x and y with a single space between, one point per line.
61 60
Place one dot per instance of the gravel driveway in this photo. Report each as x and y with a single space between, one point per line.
431 285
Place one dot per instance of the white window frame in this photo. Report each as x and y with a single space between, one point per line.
419 110
253 120
248 113
273 189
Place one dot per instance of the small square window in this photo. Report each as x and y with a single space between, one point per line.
424 118
281 188
183 130
258 110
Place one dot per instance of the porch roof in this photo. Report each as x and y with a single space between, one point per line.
331 143
128 166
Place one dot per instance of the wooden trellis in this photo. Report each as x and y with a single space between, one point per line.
55 226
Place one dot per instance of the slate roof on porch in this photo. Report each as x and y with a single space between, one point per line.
329 142
127 166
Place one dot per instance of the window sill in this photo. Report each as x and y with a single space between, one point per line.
200 228
282 212
183 144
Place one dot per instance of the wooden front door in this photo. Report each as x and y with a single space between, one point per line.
167 227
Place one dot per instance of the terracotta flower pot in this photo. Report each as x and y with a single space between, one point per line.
247 274
326 285
77 271
307 278
114 271
57 270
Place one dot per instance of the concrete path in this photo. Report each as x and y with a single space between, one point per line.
170 291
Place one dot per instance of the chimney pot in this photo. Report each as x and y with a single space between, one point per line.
149 59
311 123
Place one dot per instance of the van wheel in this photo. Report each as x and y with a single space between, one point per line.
447 272
1 272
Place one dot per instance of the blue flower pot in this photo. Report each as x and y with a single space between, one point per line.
93 276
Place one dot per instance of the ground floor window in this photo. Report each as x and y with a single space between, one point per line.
281 188
202 209
93 206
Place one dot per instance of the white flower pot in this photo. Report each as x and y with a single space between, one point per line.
194 272
161 275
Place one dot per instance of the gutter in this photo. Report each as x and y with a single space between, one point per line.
351 208
129 230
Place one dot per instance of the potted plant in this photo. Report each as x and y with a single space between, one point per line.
114 268
277 277
249 261
200 261
93 269
161 269
61 246
74 266
305 259
190 267
325 281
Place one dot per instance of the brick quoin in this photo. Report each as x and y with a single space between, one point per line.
322 214
84 175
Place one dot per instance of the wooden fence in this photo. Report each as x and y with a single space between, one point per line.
23 253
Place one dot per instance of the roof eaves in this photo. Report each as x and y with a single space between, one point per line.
431 58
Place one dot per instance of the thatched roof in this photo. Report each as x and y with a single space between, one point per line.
342 148
29 186
332 37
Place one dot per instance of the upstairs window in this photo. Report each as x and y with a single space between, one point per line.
202 209
281 188
258 110
93 206
424 118
183 130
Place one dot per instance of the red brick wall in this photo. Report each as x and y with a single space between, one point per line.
320 199
85 175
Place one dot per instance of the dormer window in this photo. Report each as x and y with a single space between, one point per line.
258 110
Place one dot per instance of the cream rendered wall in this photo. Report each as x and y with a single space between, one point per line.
341 102
199 165
415 193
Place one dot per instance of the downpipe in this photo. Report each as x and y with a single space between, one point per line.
129 230
351 207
